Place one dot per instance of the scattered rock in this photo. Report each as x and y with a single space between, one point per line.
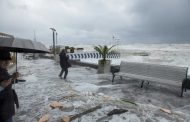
66 119
166 110
56 104
44 118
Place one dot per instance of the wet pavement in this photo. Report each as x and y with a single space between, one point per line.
87 89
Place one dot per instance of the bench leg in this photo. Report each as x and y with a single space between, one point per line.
113 76
182 92
183 87
142 83
121 78
148 82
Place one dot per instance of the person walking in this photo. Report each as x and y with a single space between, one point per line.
64 63
8 96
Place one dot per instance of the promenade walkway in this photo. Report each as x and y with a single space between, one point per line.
84 89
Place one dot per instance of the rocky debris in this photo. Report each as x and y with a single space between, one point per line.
72 117
66 118
56 104
117 111
166 110
44 118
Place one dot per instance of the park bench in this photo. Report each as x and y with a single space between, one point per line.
164 74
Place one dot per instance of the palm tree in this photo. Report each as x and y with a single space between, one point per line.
104 51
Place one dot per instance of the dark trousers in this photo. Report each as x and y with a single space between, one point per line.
64 70
10 120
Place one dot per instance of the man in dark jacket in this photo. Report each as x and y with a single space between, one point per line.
64 63
8 96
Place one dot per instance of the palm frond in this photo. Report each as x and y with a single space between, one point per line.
98 49
103 50
111 47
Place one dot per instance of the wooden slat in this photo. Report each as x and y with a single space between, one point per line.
162 73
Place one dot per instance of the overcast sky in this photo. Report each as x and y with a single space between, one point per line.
97 21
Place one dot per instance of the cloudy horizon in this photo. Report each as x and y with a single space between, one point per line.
98 21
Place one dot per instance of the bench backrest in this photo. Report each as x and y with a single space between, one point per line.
172 73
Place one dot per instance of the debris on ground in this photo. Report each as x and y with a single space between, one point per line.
117 111
56 104
166 110
45 118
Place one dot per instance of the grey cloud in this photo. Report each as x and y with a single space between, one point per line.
11 4
142 21
167 21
